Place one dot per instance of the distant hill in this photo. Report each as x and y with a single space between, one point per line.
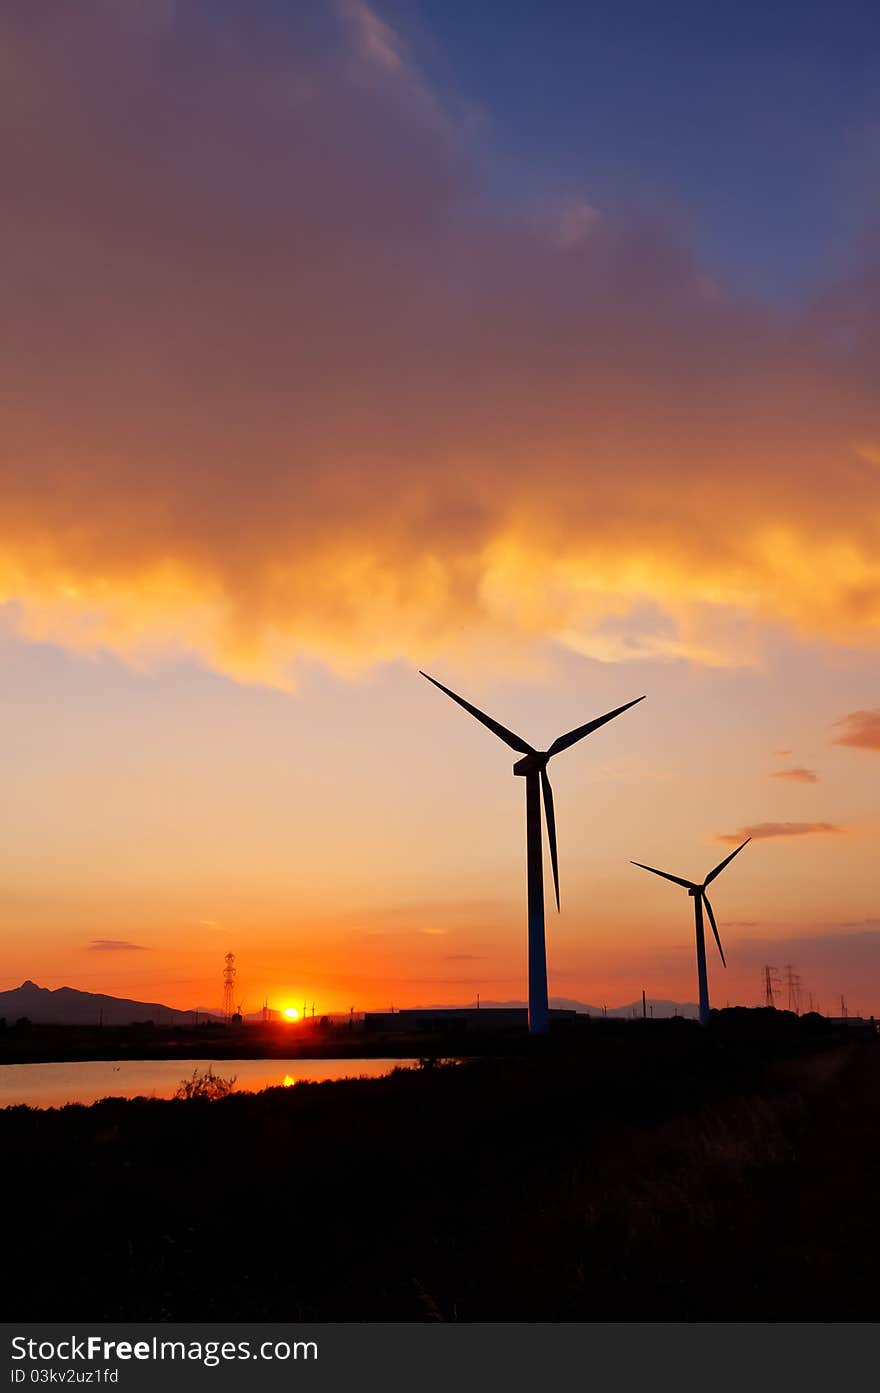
661 1009
66 1006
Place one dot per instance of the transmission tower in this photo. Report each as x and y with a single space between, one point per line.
771 981
793 983
229 987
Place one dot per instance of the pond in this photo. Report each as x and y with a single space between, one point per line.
53 1085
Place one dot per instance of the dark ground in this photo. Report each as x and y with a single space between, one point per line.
649 1172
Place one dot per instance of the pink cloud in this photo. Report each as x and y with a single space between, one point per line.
860 730
761 830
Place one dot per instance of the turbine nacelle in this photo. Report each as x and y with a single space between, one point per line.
533 763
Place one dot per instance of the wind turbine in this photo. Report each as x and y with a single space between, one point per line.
533 767
700 898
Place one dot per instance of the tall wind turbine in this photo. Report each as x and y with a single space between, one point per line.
700 898
533 768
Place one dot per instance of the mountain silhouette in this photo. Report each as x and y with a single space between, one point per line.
67 1006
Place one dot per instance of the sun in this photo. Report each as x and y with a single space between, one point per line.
290 1013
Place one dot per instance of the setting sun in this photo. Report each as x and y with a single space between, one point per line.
290 1013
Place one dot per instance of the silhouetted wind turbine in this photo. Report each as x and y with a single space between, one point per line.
533 767
700 898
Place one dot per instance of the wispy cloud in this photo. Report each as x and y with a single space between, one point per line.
797 776
860 730
115 945
761 830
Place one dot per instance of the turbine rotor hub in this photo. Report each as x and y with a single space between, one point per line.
531 764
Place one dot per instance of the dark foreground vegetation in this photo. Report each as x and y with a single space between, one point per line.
643 1171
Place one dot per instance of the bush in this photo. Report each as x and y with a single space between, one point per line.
208 1085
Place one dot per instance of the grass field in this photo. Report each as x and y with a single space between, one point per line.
663 1173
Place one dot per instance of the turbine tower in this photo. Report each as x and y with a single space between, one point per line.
533 768
700 898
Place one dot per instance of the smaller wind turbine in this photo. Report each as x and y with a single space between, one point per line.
700 898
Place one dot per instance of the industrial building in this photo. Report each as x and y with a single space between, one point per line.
432 1019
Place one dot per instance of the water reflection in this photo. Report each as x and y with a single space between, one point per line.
53 1085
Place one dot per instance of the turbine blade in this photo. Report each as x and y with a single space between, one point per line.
551 831
726 862
714 926
565 741
501 731
688 884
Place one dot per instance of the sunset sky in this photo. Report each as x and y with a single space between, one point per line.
536 345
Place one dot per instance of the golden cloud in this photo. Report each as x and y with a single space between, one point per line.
797 776
279 386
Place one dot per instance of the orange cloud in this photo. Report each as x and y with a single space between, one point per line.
280 385
797 776
761 830
114 945
861 730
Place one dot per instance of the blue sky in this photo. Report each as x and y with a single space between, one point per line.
758 125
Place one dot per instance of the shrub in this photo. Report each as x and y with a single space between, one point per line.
206 1085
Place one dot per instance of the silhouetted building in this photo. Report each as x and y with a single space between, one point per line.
455 1017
